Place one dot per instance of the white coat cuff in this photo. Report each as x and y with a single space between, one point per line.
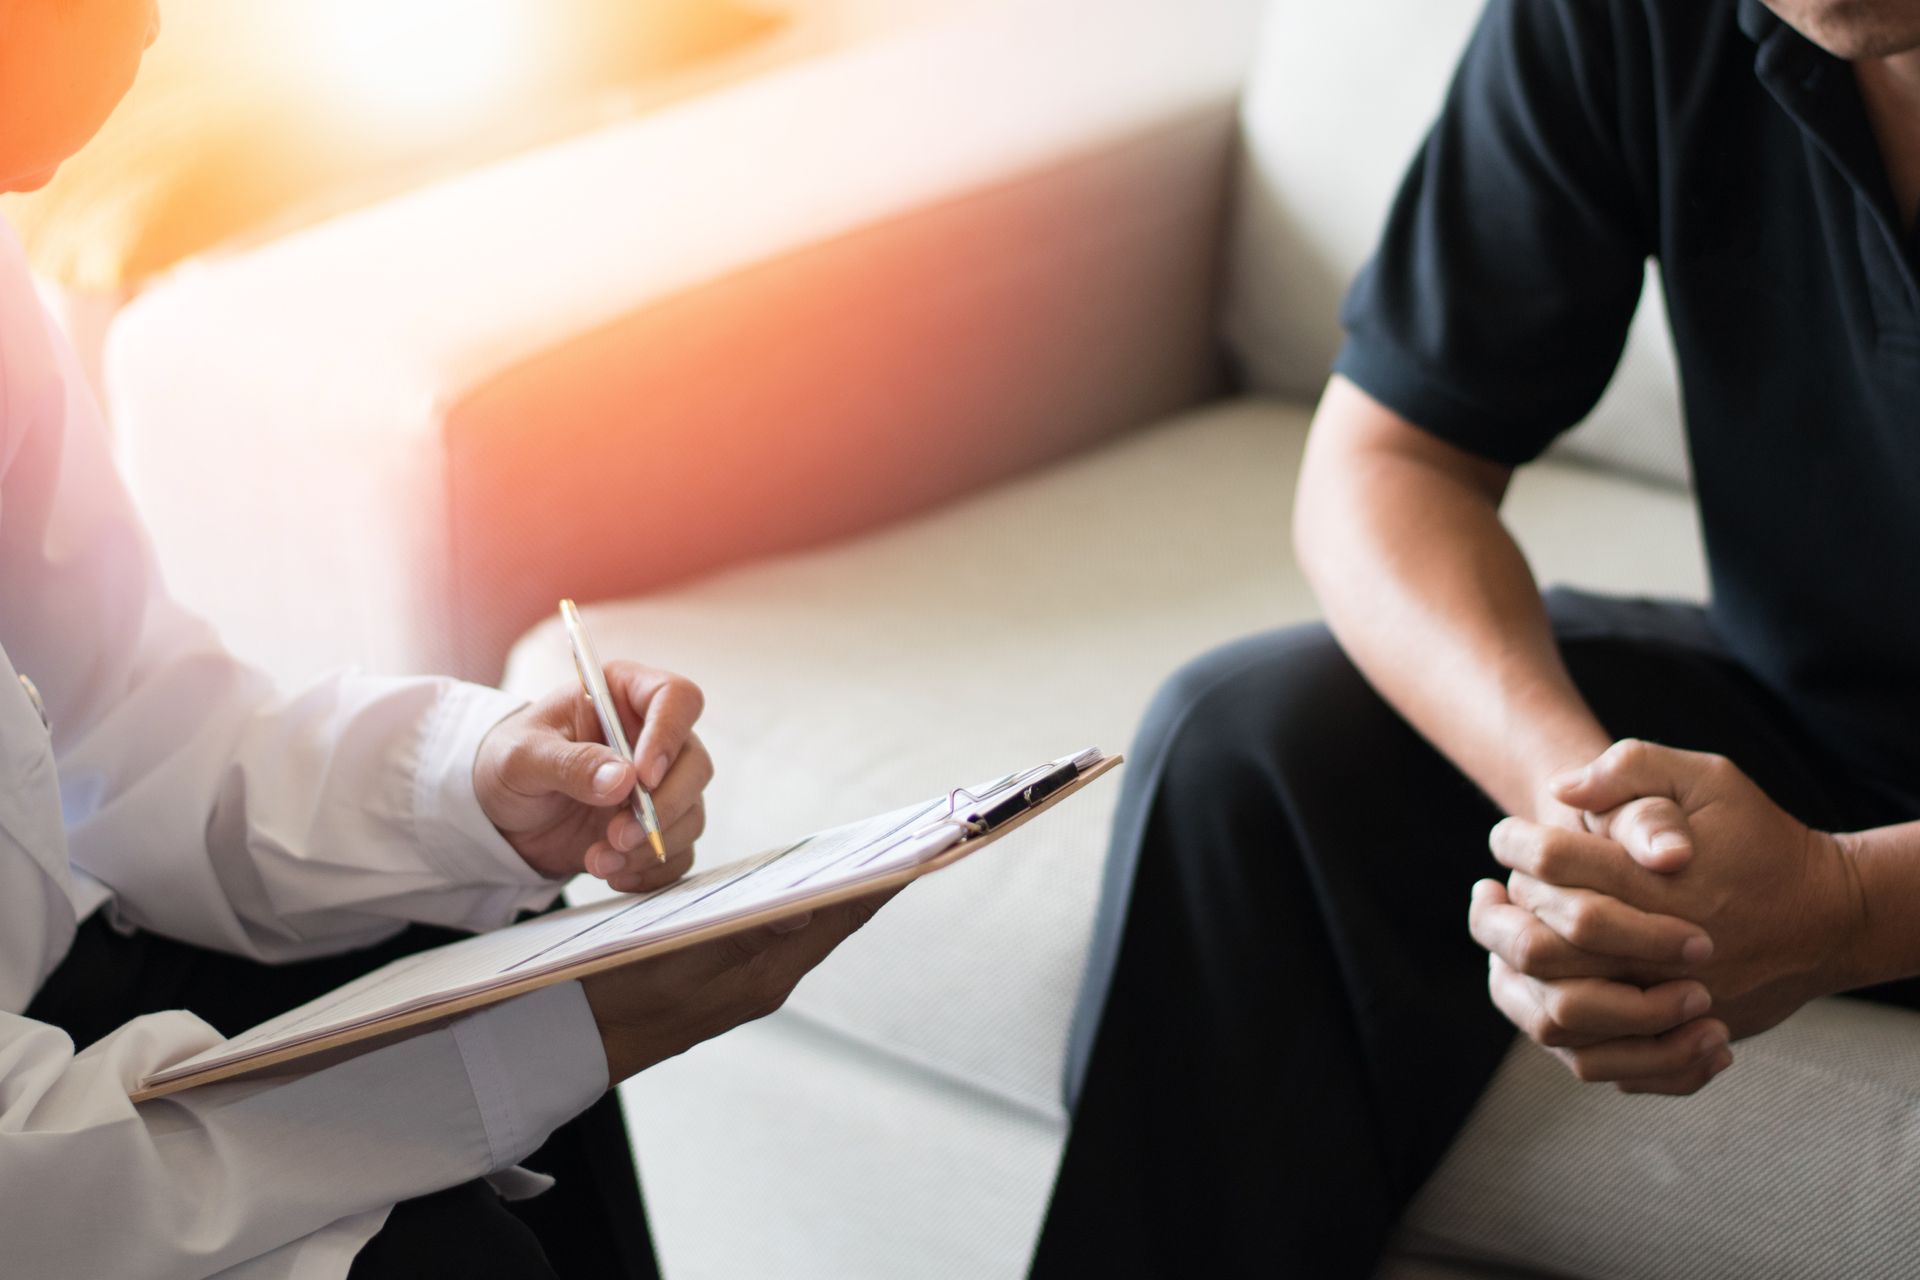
448 820
535 1062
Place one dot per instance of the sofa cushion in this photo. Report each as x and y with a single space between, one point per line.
1024 622
1312 198
1554 1178
835 294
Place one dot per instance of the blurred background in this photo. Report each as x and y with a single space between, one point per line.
250 120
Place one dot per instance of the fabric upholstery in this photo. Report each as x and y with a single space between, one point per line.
1801 1161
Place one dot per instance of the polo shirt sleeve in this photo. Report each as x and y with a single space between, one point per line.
1496 306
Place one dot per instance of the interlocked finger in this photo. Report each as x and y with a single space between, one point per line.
1529 946
1646 1061
1601 925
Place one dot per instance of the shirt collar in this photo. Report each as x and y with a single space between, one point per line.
1817 90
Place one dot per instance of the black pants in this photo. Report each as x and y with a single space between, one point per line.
591 1224
1285 1022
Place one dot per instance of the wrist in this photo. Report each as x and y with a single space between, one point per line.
631 1043
1880 872
1575 750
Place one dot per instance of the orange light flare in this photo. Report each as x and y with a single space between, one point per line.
424 64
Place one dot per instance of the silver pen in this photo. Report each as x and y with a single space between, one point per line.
593 678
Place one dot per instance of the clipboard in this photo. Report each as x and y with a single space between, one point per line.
366 1013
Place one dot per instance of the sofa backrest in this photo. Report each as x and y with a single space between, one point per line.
1340 97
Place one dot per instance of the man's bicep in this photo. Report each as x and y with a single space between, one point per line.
1497 304
1353 431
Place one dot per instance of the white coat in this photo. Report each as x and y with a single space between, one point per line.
178 790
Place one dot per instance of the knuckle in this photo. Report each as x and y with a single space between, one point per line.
1549 858
688 694
1680 1059
1630 751
1641 817
1552 1034
1523 951
1584 921
1563 1006
581 758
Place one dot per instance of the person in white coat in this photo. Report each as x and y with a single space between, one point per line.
169 822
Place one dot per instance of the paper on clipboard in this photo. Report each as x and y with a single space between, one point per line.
833 865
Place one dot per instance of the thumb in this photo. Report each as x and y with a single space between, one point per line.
1653 830
585 771
1628 770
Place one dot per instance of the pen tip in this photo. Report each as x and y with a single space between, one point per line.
659 850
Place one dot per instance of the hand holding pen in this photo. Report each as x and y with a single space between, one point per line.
567 803
593 680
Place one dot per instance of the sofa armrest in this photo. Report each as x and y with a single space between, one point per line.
778 314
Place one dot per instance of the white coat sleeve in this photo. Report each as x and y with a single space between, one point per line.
217 810
193 1184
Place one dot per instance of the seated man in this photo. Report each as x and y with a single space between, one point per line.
1285 1023
167 823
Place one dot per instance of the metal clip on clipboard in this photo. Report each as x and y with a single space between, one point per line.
1016 795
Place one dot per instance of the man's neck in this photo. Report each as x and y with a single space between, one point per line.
1891 88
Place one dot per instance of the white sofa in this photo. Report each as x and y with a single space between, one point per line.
910 361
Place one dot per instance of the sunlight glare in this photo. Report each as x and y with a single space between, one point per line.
424 61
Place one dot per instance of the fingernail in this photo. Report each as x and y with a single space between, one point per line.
1721 1061
1668 841
1697 1003
656 772
1709 1041
1567 779
607 777
1697 949
625 836
792 924
608 864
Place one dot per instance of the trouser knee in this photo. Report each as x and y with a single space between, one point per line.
1241 719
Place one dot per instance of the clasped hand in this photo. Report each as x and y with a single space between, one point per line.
1673 909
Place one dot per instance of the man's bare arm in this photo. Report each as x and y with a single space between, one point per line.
1400 535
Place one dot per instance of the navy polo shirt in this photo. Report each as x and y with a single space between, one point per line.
1580 138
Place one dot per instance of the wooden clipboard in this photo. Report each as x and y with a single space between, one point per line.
314 1053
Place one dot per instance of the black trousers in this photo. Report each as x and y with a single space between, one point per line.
591 1224
1285 1022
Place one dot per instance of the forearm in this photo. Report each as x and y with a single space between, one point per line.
1885 862
1426 590
284 827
